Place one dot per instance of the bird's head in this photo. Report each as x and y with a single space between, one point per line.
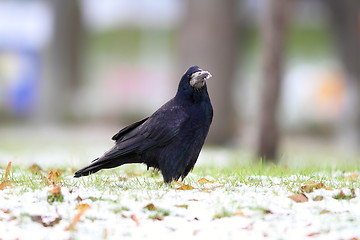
193 82
197 77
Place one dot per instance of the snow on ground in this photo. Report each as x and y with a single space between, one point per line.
140 208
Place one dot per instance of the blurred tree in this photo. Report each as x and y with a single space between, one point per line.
344 19
61 62
209 40
273 34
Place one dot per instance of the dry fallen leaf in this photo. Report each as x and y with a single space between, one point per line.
318 198
7 171
310 186
299 198
211 188
193 200
182 206
249 227
46 180
185 187
55 190
82 209
6 211
351 177
173 182
54 175
204 180
268 211
135 219
78 198
35 168
324 211
342 196
51 177
43 220
242 214
106 233
150 207
313 234
5 184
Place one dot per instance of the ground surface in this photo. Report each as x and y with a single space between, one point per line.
210 204
306 196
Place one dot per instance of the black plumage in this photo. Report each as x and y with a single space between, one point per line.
171 138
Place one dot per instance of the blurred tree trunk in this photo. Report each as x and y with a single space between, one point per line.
273 34
61 62
209 40
344 19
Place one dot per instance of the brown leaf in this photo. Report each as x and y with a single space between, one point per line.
34 168
242 214
122 179
135 219
204 180
78 198
249 227
211 188
158 217
5 184
313 234
47 181
7 171
150 207
177 183
55 190
6 211
82 209
54 175
185 187
310 186
106 233
268 211
182 206
299 198
342 196
42 220
351 177
239 213
318 198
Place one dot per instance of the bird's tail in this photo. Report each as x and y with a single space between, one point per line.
103 163
92 168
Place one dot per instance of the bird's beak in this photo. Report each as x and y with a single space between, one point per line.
198 79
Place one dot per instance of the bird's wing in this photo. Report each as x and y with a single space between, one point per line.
127 129
155 131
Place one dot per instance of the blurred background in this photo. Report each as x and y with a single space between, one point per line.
286 74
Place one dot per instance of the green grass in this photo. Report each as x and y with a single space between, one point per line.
136 197
137 177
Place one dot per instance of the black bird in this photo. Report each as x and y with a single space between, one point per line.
171 138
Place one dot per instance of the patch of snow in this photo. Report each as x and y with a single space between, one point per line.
216 210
